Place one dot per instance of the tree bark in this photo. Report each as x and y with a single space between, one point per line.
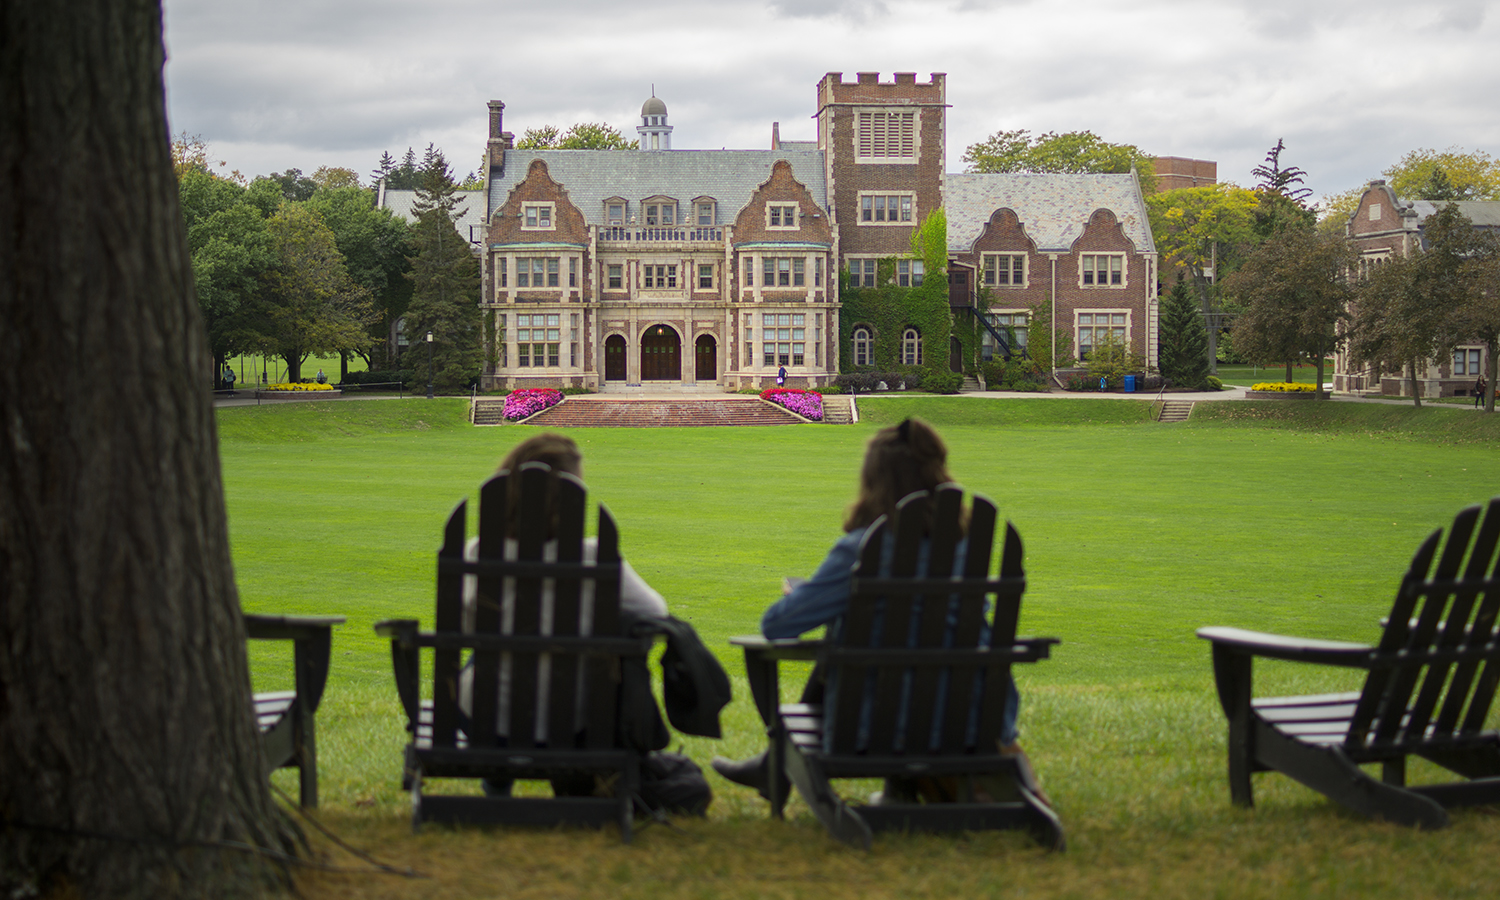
127 749
1416 389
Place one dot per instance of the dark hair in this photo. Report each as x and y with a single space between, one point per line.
899 460
556 450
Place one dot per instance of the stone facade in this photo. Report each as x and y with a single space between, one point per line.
711 269
1385 226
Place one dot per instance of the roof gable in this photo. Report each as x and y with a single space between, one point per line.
1054 209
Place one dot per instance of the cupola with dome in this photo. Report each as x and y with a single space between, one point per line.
655 133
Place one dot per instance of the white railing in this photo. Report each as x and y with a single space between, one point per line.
678 234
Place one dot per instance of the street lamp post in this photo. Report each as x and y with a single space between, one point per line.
429 365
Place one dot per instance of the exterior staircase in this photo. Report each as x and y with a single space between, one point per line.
838 409
576 413
971 385
488 411
1175 410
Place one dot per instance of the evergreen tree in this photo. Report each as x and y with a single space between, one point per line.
1183 339
445 287
383 169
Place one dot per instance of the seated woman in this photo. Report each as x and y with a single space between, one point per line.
636 596
900 460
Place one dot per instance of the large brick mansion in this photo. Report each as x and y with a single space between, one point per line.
716 267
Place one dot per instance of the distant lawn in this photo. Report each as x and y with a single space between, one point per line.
1296 517
1245 376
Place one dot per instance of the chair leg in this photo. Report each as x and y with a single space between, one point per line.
415 774
307 761
1329 772
842 822
1046 827
1232 675
1393 771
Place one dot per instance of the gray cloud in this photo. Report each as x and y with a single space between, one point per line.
1349 85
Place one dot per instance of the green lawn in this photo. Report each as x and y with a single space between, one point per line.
1289 517
1248 375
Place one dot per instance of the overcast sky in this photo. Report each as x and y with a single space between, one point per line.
1350 86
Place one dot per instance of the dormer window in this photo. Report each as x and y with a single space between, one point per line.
536 217
781 215
658 213
704 211
614 212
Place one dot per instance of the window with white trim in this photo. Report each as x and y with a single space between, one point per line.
909 272
886 209
783 271
784 338
862 272
659 277
572 271
782 216
536 217
911 347
1466 362
661 214
1004 269
614 213
864 347
749 272
616 275
705 210
538 271
705 276
817 271
500 271
538 340
885 135
1093 328
1102 270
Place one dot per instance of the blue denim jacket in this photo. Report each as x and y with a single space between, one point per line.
823 599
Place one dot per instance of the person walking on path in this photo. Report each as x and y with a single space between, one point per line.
1479 387
781 377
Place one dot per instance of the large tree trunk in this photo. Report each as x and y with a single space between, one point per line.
1416 389
127 751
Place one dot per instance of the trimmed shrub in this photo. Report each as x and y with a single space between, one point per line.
1214 384
943 382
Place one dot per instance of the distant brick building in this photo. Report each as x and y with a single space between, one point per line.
713 268
1383 226
1173 172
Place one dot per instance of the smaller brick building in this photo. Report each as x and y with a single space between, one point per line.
1078 243
1383 226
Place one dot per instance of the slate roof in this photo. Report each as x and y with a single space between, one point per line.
592 176
470 203
1053 208
1483 213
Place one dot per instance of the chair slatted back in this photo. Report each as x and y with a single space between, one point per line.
559 597
1437 665
923 704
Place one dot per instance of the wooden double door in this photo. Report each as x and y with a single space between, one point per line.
661 354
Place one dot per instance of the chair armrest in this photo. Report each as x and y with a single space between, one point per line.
287 628
782 648
1276 646
406 662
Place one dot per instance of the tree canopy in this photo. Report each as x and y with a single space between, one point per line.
1295 291
1074 152
1183 338
1423 174
445 288
581 136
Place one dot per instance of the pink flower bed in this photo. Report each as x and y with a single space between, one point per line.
529 402
807 404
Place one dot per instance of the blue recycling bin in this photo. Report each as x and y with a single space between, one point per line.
1130 384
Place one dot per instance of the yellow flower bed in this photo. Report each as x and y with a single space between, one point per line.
1284 387
298 387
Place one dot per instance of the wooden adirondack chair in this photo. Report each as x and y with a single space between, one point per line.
1431 681
287 718
584 670
937 661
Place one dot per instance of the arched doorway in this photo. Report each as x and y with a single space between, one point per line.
661 354
706 358
614 358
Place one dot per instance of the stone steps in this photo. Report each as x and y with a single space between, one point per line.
836 409
971 385
1175 410
661 413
